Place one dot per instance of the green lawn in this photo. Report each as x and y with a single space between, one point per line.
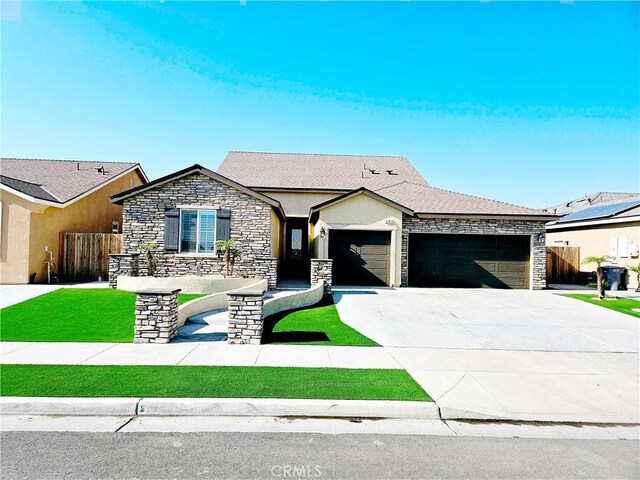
622 305
73 315
202 382
187 297
316 325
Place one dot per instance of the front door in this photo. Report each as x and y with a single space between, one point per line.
297 249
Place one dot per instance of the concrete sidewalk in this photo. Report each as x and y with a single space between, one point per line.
465 384
195 353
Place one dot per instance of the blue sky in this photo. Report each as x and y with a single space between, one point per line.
529 103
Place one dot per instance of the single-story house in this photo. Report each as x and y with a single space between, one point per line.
375 216
604 223
41 198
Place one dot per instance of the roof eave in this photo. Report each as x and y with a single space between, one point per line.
119 198
509 216
592 222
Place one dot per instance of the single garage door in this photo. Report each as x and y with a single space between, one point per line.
360 257
472 261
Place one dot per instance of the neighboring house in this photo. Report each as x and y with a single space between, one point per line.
41 198
601 224
375 216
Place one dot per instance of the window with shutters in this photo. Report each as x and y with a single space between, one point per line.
197 231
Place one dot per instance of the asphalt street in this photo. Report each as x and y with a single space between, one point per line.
51 455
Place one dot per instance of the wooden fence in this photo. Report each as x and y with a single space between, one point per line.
563 265
85 256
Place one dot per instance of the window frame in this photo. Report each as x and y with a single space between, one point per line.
215 231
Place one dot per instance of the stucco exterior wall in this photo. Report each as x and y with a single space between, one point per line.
14 238
93 213
144 219
298 204
532 228
361 212
597 241
276 235
27 227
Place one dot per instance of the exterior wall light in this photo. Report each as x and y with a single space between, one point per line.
323 232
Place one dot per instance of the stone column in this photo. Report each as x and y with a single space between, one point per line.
322 269
539 261
156 315
267 268
245 317
122 264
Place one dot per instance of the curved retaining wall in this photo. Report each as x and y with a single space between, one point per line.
301 299
216 301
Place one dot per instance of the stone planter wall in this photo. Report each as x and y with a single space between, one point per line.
245 317
322 269
267 269
122 264
156 315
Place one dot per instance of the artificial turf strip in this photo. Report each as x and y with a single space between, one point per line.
622 305
319 324
187 297
207 382
73 315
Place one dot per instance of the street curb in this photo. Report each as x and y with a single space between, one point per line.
218 407
448 413
287 407
68 406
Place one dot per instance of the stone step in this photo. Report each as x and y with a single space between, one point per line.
213 317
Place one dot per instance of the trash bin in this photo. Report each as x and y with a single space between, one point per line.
616 277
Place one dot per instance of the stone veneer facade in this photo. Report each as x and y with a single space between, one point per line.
322 269
533 228
156 316
144 218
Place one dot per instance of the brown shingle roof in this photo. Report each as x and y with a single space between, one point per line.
427 199
63 180
317 171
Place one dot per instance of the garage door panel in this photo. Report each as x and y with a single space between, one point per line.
456 260
360 257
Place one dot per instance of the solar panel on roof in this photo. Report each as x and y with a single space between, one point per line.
599 212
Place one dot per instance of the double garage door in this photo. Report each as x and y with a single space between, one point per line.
472 261
435 260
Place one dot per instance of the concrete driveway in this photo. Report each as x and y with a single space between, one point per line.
506 354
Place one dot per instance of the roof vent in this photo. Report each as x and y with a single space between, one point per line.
100 170
391 172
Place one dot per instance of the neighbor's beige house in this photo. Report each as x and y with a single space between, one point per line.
604 223
41 198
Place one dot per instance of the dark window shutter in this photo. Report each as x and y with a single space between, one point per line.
223 224
171 229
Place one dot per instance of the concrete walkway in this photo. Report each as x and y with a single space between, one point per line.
195 353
